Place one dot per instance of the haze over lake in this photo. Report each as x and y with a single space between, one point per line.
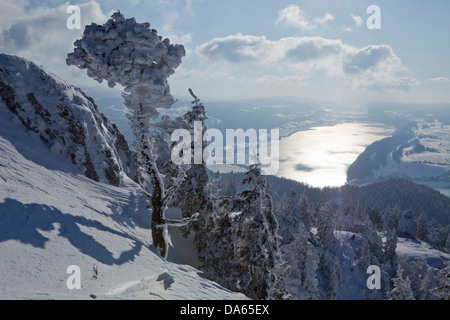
320 156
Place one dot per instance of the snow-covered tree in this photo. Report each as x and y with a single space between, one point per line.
375 218
256 244
192 196
305 212
401 287
429 282
365 256
437 234
289 217
328 266
407 225
443 277
218 253
386 279
389 249
325 225
329 271
131 54
422 227
300 268
374 241
391 218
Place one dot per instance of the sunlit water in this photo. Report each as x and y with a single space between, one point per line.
320 156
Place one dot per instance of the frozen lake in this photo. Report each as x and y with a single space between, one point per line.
320 156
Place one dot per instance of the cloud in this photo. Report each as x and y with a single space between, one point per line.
439 79
314 48
237 48
370 57
294 16
42 35
327 17
374 67
358 20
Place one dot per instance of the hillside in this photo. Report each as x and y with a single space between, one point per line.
53 215
64 119
419 152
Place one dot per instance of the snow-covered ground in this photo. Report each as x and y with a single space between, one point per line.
53 217
422 156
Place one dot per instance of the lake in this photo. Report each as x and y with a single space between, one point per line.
320 156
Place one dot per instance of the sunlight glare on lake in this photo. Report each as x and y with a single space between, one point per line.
320 156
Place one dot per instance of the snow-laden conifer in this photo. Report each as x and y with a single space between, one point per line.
132 54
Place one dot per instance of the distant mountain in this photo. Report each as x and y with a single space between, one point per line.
66 120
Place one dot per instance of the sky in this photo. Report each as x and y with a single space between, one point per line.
316 49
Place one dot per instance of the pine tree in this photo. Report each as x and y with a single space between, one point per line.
325 227
401 287
386 279
429 282
256 244
407 225
218 253
389 250
422 227
443 277
289 217
191 195
437 234
309 275
365 257
302 261
328 267
305 213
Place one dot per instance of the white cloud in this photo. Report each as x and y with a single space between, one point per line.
358 20
322 21
294 16
42 36
373 67
371 58
439 79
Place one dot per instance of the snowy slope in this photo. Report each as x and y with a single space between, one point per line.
52 217
65 119
420 153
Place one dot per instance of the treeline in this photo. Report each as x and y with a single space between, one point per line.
404 194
